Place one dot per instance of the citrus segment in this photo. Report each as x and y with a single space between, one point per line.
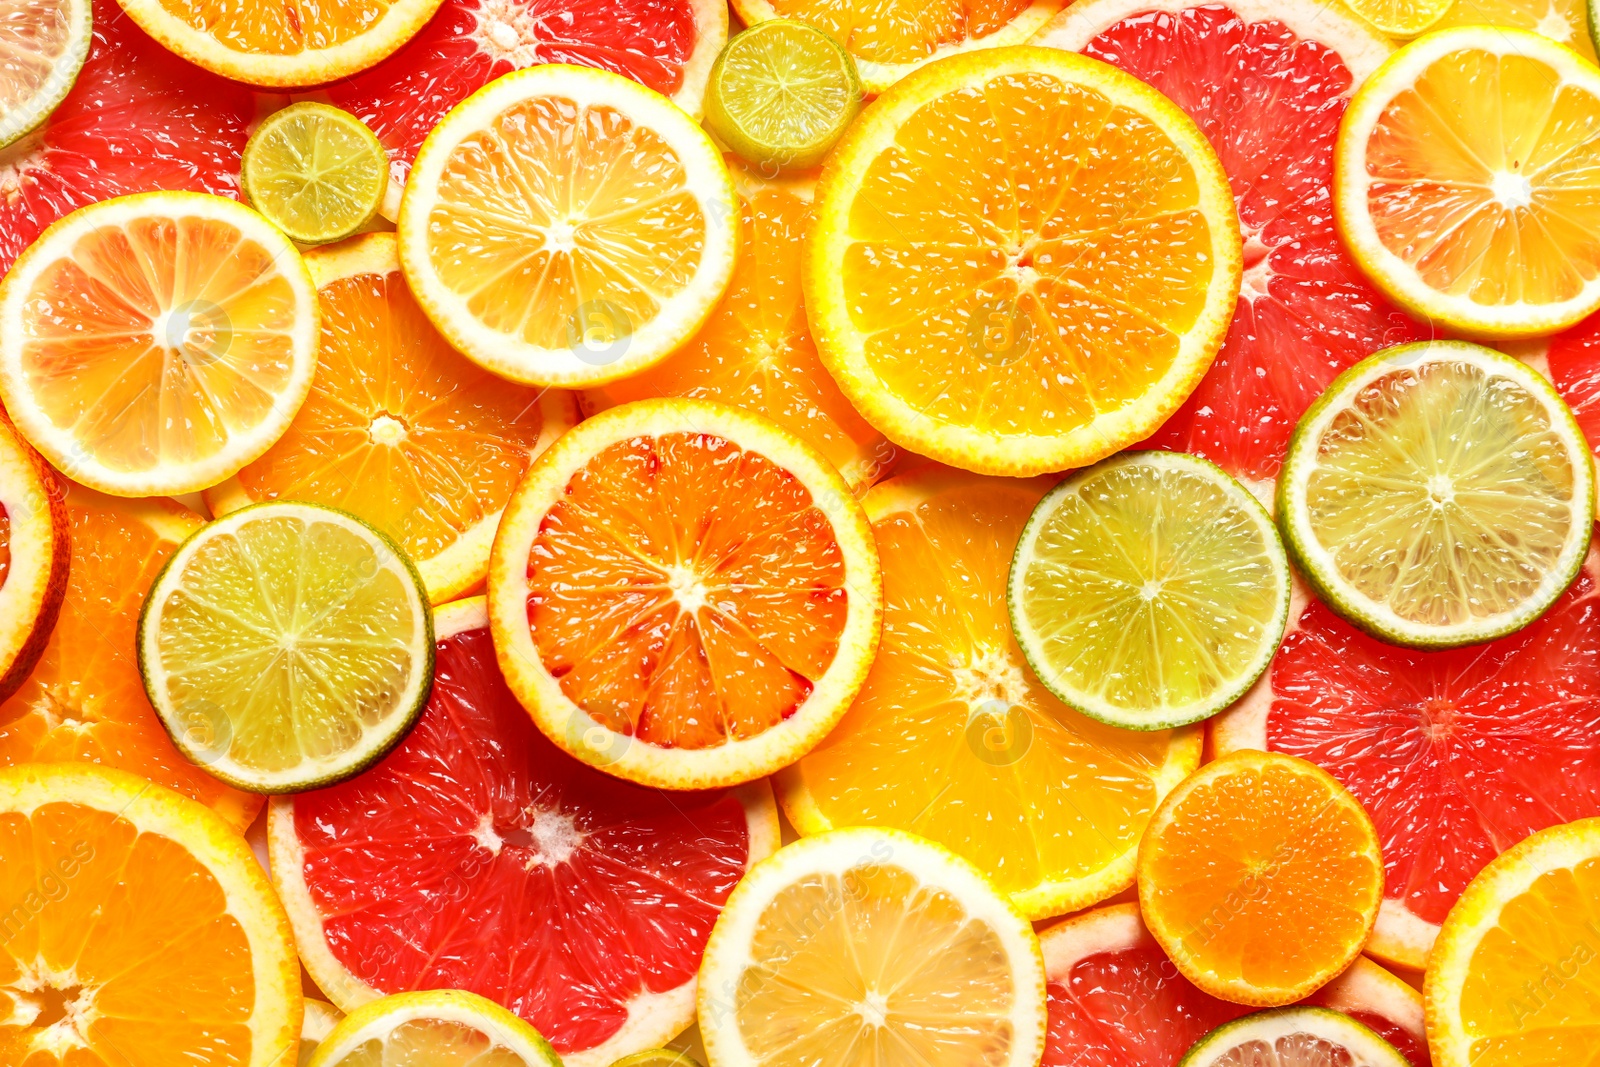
1565 22
579 902
1401 18
1508 982
1149 591
1023 261
1456 754
756 350
84 699
1464 181
953 738
443 1027
1438 494
566 226
35 550
1572 360
1260 876
1293 1037
399 428
316 172
891 38
46 42
138 118
684 594
1304 311
156 343
1116 1000
870 947
140 931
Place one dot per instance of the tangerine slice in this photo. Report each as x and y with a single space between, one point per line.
684 594
34 552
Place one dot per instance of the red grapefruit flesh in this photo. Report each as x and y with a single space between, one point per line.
1574 366
138 119
479 856
1457 755
1116 1000
1267 82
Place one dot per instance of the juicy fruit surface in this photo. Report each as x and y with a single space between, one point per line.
1401 18
84 699
952 737
1270 103
1573 359
902 31
686 591
781 94
258 28
137 119
42 42
586 891
756 350
1563 21
441 1041
469 43
316 172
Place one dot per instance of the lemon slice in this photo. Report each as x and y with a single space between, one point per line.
287 646
316 172
1438 494
441 1026
1149 591
781 94
870 948
44 43
1293 1037
1401 18
658 1057
320 1019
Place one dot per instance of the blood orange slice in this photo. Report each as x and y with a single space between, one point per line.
1457 755
138 119
1266 81
1116 1000
667 45
478 856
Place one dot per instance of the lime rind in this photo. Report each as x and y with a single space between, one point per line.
1314 561
316 172
207 727
1277 1024
1234 520
20 121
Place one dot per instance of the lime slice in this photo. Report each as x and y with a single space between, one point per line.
43 44
1149 591
286 646
1438 494
316 172
1293 1037
781 93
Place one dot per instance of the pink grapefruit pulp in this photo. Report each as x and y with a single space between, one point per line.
1573 364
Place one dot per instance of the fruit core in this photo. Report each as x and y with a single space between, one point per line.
988 675
385 429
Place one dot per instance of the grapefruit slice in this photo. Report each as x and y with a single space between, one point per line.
1266 81
1116 1000
34 553
666 45
1457 755
577 901
138 118
1572 361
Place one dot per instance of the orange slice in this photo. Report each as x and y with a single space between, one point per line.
1260 876
756 350
953 738
140 931
282 44
1465 181
85 699
891 38
154 344
1024 260
567 226
34 552
399 428
684 594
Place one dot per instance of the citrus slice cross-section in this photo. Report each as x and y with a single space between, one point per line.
444 1026
1438 494
1568 22
870 948
756 351
567 226
952 737
400 429
156 343
46 42
971 278
1401 18
139 928
1149 591
1293 1037
286 646
317 172
580 902
683 594
35 550
1260 876
1508 981
891 38
319 1021
1464 181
